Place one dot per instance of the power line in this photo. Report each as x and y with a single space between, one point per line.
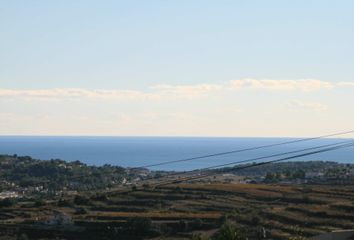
280 154
255 164
325 148
242 150
248 160
235 151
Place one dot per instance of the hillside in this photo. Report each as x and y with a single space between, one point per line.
53 175
45 199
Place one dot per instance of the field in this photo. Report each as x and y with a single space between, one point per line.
181 211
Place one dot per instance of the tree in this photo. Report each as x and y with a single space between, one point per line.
139 226
81 200
23 236
39 202
300 174
287 173
7 202
229 232
199 236
269 177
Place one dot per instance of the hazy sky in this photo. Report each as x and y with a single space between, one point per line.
195 68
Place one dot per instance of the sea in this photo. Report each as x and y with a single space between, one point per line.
142 151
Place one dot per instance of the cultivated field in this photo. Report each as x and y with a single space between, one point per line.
181 211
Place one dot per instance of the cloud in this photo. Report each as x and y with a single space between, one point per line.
281 85
187 90
318 107
73 93
153 93
248 83
345 84
164 91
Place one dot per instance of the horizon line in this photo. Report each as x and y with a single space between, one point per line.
161 136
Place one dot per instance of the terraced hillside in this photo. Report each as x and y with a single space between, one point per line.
181 211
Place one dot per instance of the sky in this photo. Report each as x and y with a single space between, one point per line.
176 68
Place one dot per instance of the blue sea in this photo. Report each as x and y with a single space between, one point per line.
140 151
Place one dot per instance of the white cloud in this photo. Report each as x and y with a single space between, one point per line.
164 91
153 93
281 85
187 90
72 93
313 106
345 84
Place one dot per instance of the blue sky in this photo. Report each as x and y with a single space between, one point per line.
206 68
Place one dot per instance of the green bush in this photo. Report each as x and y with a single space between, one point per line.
65 203
22 237
7 202
229 232
139 226
80 210
81 200
39 202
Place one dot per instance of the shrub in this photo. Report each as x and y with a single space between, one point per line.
100 197
22 237
65 203
229 232
139 226
39 202
80 210
255 220
8 202
182 225
199 236
177 189
81 200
